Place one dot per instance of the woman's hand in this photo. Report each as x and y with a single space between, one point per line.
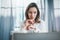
30 27
29 24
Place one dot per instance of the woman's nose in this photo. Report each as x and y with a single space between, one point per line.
32 14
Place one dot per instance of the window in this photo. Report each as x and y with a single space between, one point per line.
19 7
57 14
16 9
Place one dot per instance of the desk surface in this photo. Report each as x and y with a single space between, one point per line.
37 36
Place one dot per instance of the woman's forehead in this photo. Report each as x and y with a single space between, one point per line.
32 9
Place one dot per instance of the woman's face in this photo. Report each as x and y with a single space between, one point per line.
32 13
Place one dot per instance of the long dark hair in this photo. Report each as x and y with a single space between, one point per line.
38 12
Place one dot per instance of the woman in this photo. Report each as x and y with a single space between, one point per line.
33 23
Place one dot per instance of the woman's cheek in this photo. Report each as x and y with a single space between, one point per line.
34 16
29 15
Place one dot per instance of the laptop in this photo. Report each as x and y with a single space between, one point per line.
36 36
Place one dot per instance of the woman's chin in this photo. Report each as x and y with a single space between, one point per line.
32 18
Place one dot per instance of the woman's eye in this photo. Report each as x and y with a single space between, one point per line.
34 12
30 12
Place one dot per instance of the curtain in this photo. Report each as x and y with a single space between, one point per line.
49 15
11 12
6 19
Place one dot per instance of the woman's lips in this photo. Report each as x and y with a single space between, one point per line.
30 22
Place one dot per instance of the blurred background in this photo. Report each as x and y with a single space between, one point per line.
13 11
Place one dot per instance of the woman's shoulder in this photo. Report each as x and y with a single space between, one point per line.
42 21
22 22
43 26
